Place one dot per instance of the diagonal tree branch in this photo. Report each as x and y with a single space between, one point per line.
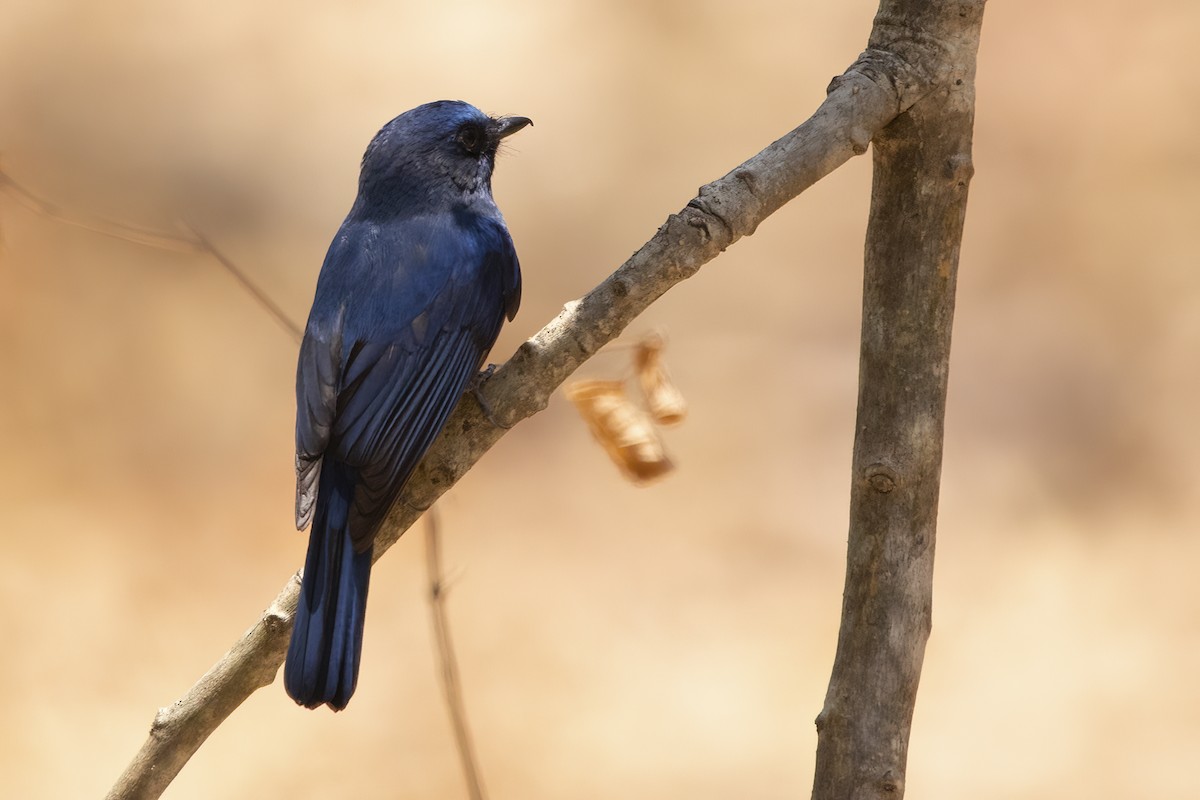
869 95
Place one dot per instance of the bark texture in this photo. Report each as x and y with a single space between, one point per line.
922 168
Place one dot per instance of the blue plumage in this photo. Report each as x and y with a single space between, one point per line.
411 297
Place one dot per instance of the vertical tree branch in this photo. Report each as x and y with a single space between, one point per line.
922 167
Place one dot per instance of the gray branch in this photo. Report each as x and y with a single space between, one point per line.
922 167
885 81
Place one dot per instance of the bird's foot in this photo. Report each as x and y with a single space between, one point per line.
476 388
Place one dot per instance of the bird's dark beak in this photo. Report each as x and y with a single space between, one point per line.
507 126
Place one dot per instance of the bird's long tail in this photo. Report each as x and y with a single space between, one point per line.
324 654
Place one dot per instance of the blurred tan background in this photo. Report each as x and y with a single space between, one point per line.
666 642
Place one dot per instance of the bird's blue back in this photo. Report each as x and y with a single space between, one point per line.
405 312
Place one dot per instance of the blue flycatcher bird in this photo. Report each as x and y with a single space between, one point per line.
410 299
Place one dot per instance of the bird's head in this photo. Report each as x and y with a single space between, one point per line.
441 152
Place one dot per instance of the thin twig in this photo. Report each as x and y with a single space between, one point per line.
116 230
193 242
242 278
446 658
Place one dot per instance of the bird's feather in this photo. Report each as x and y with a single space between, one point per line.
398 329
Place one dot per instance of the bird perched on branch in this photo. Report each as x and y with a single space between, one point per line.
410 299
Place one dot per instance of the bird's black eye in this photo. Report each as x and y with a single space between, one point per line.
473 138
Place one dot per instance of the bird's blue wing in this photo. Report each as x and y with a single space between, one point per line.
404 315
503 259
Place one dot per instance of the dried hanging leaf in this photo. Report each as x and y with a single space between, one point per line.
624 430
663 398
